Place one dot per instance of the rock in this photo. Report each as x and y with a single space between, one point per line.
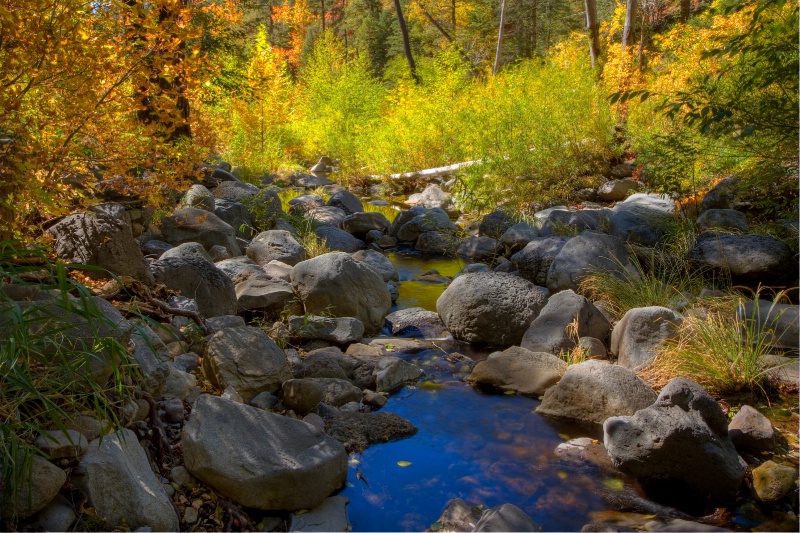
495 224
347 202
89 427
392 373
338 285
416 322
264 400
678 524
550 331
338 240
220 175
37 487
748 259
595 390
594 348
259 292
615 190
356 431
324 165
69 444
458 515
506 517
678 448
491 307
196 225
326 215
218 253
373 398
533 261
101 237
235 191
604 527
236 215
780 323
751 429
301 395
330 515
434 197
337 392
115 475
269 462
315 420
728 219
325 363
721 196
585 253
57 516
474 267
379 263
640 333
517 236
359 224
479 249
209 286
306 202
425 220
246 359
239 268
622 170
310 182
520 370
569 221
173 410
771 481
642 218
155 248
187 249
784 370
436 242
198 196
276 245
339 330
635 230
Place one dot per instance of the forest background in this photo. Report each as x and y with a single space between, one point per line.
546 94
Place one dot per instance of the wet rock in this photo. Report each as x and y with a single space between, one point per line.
269 462
595 390
728 219
751 429
247 360
585 450
338 240
68 444
379 263
549 332
459 516
771 481
101 237
678 448
338 285
416 322
338 392
506 517
534 260
517 369
209 286
339 330
585 253
641 332
301 395
38 487
373 398
357 431
479 249
347 202
115 475
276 245
492 308
615 190
392 373
196 225
747 259
330 515
359 224
198 196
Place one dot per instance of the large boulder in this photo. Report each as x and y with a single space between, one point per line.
432 197
490 307
678 448
338 240
197 278
520 370
506 517
721 196
615 190
338 285
116 476
260 459
391 373
780 323
586 253
416 322
573 221
484 249
101 237
727 219
276 245
262 293
326 215
549 332
534 260
247 360
747 259
346 201
187 249
379 263
235 191
38 486
640 333
437 242
359 224
191 224
642 218
236 215
517 236
344 330
427 220
595 390
495 224
198 196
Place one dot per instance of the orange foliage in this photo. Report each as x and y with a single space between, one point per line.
298 17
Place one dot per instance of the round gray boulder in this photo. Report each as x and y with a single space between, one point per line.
549 331
277 245
520 370
640 333
197 278
586 253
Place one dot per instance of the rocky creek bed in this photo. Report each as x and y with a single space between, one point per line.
416 391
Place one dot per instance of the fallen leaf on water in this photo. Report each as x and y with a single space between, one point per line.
510 392
613 484
301 511
404 463
562 475
354 462
564 436
349 484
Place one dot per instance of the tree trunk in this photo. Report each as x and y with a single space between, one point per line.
627 32
686 10
534 22
499 38
453 15
592 27
406 44
322 16
641 44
